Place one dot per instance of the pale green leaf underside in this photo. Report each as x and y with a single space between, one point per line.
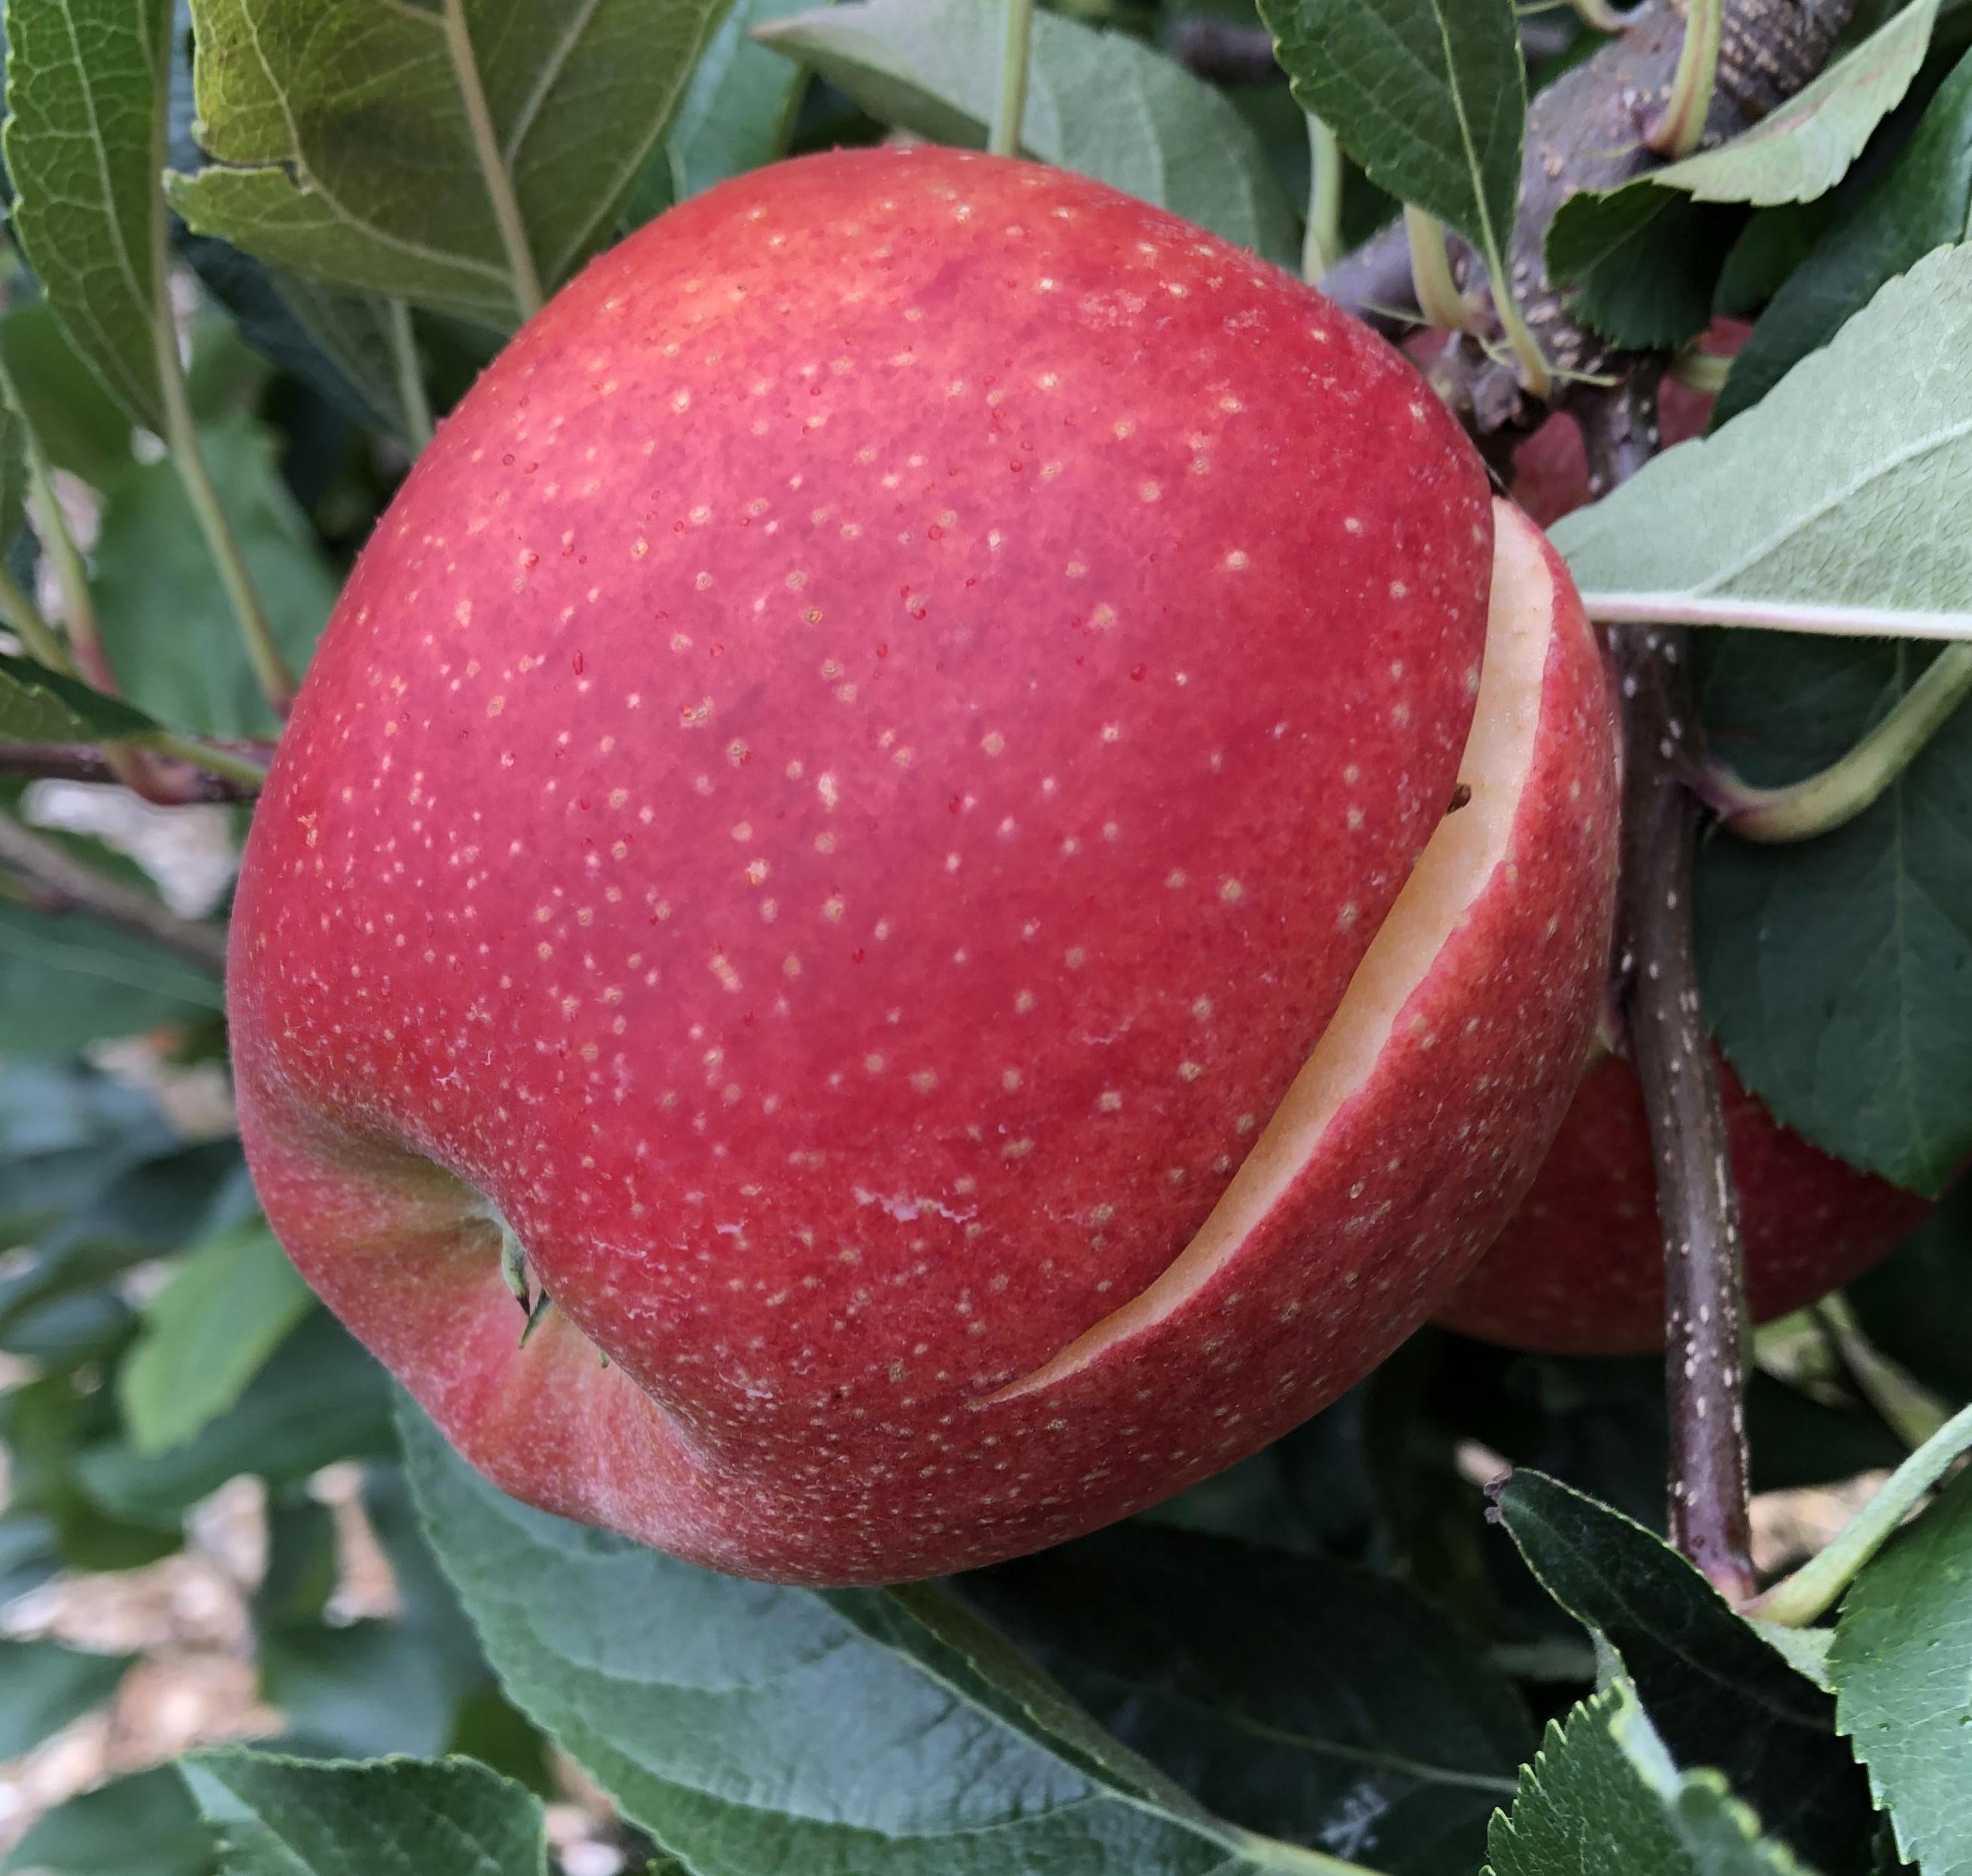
85 91
1602 1798
1428 96
343 147
1100 103
1838 502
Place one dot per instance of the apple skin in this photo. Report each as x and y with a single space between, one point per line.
842 795
1579 1271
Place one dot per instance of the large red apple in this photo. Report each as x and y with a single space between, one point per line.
1580 1269
883 797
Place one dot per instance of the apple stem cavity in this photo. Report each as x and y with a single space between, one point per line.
1835 795
1706 1336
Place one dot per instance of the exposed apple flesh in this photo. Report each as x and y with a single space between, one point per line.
866 799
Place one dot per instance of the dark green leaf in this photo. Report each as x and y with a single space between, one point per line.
1647 271
44 1685
30 1553
77 422
142 1825
320 1398
278 1816
1902 1667
1378 1732
166 622
1923 201
697 1700
65 1131
1101 104
1428 96
1831 966
86 83
37 705
344 147
206 1334
1604 1798
1718 1694
13 473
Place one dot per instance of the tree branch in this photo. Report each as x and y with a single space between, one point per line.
178 784
1698 1208
61 883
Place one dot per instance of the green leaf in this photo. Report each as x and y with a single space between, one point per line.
80 426
320 1398
37 705
1430 96
68 980
229 1304
13 473
1835 497
735 116
143 1825
1603 1798
1830 965
1718 1694
344 143
1793 154
702 1717
44 1685
1101 103
1923 200
277 1816
1902 1665
1647 273
165 620
1380 1733
86 84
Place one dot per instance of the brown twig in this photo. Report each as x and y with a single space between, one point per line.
61 883
1705 1313
175 784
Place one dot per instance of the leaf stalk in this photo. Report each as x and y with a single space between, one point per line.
1010 105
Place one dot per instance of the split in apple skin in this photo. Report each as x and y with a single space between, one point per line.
880 796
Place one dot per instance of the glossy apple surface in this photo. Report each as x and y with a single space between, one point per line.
880 796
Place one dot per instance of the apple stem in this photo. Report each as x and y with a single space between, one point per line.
411 392
1796 1600
57 881
1010 107
1825 801
1706 1337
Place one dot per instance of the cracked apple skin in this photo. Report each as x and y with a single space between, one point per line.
1579 1270
879 797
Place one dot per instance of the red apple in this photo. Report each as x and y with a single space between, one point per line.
1580 1269
880 798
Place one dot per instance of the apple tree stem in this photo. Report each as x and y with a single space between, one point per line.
1010 107
1706 1334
